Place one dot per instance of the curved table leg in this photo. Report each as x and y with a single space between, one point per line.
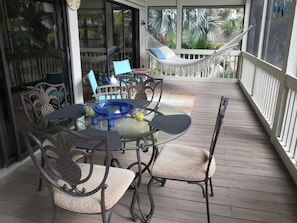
141 168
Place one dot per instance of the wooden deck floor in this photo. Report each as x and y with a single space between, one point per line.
251 184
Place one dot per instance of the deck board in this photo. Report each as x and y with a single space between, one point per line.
251 184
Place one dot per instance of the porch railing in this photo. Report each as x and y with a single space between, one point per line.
93 58
225 69
274 98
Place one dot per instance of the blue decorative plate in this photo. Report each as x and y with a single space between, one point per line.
112 110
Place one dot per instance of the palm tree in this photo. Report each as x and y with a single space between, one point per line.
198 22
162 22
37 24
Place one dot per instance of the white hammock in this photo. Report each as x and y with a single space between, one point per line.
165 55
172 59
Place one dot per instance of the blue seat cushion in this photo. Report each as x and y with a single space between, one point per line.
56 94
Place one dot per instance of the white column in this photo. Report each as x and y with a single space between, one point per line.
75 56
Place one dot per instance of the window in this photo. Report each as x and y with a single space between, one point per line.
122 28
276 30
209 28
255 20
162 25
91 28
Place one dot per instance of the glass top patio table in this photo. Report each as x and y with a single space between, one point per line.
160 124
164 122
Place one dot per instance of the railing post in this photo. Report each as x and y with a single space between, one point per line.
280 109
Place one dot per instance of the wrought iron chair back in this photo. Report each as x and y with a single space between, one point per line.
219 121
141 87
41 100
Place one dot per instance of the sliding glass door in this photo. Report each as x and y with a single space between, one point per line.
33 46
125 32
8 142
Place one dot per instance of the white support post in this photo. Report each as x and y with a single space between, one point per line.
75 56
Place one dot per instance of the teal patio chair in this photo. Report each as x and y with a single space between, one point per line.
122 67
103 92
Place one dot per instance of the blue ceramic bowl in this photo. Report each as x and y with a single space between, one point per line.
112 110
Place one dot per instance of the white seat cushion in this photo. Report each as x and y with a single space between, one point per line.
118 182
181 162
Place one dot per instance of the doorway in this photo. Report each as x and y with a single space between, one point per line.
108 31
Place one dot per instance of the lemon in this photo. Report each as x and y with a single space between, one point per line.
139 116
89 111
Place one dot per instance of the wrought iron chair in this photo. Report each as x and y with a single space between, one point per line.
103 92
141 87
38 103
188 163
86 188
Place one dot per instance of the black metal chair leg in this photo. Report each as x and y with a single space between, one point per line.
40 177
206 201
211 188
40 184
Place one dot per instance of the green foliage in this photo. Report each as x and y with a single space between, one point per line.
122 30
29 25
231 25
171 40
201 43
